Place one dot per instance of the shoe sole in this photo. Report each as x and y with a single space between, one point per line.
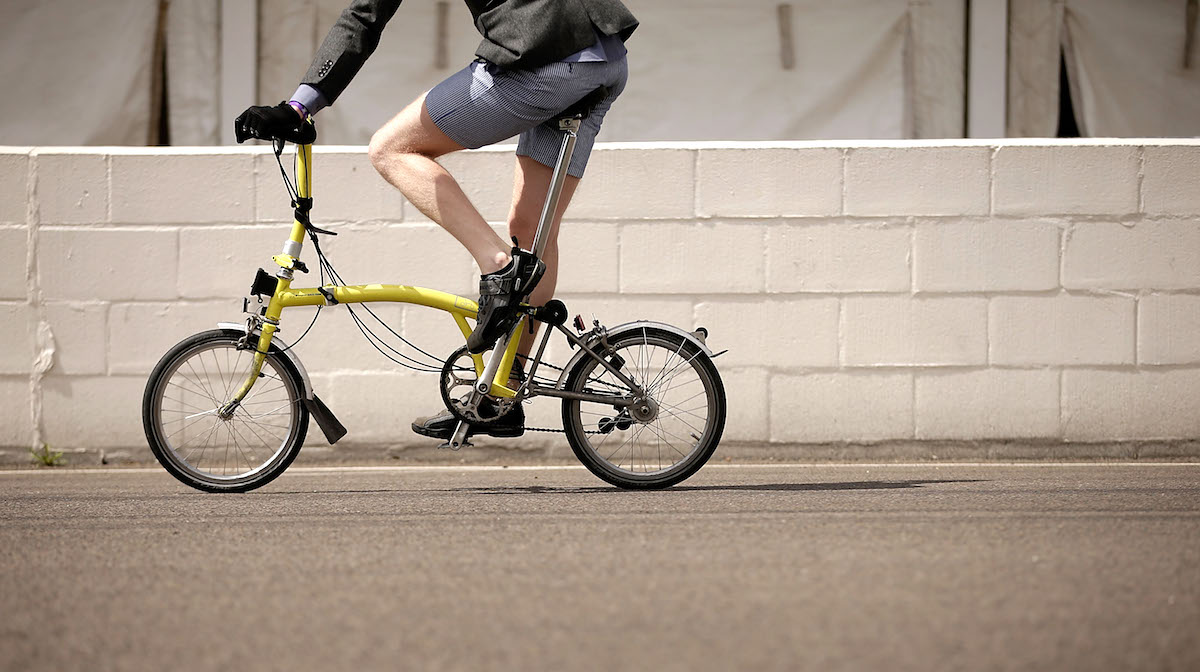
497 433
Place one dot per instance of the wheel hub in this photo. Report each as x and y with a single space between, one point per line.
643 410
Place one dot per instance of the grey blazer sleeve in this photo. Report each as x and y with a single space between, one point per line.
351 40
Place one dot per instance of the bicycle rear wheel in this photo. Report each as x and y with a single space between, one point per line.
666 438
194 444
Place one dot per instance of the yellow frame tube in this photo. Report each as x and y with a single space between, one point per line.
460 308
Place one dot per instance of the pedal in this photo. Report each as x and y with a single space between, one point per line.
458 439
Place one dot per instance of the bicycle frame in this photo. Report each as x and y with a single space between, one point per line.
493 375
285 296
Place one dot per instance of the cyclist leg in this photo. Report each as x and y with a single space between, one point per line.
532 181
403 152
536 154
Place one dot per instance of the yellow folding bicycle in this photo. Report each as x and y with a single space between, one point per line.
227 410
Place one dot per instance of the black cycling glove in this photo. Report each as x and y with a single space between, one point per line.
267 123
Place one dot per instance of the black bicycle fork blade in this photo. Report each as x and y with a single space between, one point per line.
330 426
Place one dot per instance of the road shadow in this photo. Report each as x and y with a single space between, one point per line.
750 487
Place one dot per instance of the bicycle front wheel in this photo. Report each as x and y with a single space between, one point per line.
665 437
180 413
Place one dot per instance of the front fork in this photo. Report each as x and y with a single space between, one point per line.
266 324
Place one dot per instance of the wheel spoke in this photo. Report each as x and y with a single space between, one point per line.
224 453
677 380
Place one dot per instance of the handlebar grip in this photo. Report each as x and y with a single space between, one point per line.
265 123
305 136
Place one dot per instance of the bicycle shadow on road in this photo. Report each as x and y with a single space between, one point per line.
743 487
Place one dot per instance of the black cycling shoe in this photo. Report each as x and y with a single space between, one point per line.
442 426
499 294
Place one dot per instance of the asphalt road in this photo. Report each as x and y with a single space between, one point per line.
1033 567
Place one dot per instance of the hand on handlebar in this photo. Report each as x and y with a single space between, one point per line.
268 123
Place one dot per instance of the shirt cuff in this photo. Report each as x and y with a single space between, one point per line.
310 98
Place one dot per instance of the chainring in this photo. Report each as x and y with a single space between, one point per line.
457 385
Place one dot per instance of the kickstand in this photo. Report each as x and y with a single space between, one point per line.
459 438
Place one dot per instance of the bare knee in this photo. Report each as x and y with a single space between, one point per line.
385 147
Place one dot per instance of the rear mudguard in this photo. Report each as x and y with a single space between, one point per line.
697 338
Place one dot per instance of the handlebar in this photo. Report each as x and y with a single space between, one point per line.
305 135
274 123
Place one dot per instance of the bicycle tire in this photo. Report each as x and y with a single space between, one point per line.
201 385
590 431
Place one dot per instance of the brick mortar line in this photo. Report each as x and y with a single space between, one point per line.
898 219
34 300
1141 179
880 222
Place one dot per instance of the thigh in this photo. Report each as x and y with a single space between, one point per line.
542 142
483 104
412 131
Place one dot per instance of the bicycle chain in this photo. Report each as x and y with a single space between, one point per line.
549 430
557 431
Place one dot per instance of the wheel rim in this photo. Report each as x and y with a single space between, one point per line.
684 416
196 440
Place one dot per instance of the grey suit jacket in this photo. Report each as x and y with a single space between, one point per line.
517 34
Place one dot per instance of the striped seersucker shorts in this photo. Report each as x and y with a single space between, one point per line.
483 104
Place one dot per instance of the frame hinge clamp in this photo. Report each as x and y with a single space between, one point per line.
330 299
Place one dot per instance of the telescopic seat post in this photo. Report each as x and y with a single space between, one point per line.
569 126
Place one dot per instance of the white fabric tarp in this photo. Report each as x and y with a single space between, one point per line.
81 71
76 72
1125 61
702 69
193 71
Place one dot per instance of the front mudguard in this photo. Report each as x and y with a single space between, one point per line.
329 424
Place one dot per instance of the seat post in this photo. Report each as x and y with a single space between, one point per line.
569 126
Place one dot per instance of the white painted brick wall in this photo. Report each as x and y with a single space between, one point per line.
835 407
13 250
839 257
139 334
346 186
1168 329
986 256
16 430
107 263
17 327
751 330
1083 179
400 254
1061 330
183 186
72 186
684 258
80 333
1171 176
748 409
993 404
799 182
486 177
93 412
1141 255
220 261
380 406
904 331
1139 404
865 291
14 173
894 181
623 184
589 257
